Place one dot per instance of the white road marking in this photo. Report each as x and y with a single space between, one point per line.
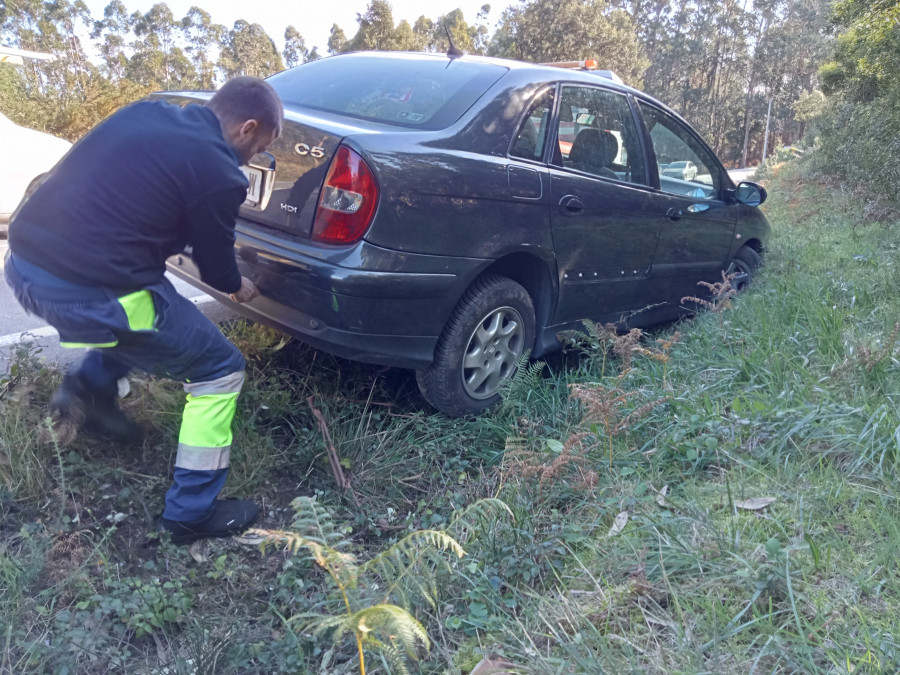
50 331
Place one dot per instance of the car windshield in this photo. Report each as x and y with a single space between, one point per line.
406 91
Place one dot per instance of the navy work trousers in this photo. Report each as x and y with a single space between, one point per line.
157 331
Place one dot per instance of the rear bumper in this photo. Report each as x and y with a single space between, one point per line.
378 315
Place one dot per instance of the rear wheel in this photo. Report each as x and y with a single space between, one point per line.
490 329
745 262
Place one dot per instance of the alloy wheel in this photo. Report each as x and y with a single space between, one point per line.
493 350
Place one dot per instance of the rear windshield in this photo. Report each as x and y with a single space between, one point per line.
417 92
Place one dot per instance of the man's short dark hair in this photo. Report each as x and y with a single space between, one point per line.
247 98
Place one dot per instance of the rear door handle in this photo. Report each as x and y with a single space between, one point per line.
571 205
674 214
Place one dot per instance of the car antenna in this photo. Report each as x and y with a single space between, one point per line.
454 52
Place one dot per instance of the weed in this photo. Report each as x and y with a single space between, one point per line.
24 459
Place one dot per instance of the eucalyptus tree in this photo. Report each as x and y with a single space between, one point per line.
248 50
202 37
157 58
376 28
404 38
295 51
423 29
470 39
337 40
113 31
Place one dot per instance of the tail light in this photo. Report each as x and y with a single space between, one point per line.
348 200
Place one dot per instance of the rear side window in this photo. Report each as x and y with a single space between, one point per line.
528 142
423 93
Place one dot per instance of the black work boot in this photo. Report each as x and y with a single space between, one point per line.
227 518
76 405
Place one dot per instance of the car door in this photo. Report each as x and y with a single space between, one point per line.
603 238
697 219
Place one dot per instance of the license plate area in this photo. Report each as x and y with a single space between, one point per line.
260 183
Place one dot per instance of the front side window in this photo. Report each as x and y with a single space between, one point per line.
528 143
685 166
597 135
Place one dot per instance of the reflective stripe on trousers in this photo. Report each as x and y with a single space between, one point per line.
204 443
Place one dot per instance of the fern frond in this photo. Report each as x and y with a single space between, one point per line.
526 378
477 513
315 523
395 623
391 657
316 624
409 566
638 414
409 546
375 626
343 566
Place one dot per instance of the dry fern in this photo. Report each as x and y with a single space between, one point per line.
721 293
607 406
569 465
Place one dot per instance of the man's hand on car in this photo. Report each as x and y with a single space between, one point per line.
247 291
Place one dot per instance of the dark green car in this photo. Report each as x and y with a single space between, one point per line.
450 214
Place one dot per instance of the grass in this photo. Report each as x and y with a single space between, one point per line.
792 394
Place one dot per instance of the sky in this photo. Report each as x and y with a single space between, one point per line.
312 18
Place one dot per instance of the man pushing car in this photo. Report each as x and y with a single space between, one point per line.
87 253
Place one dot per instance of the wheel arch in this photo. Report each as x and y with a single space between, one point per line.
756 244
530 272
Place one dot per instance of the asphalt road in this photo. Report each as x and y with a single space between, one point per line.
17 326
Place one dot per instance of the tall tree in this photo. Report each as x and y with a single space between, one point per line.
405 39
337 40
158 60
376 28
295 51
465 37
202 36
249 50
113 30
423 30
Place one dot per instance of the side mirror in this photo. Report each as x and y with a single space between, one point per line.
750 194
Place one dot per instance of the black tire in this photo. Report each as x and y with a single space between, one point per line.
743 266
494 323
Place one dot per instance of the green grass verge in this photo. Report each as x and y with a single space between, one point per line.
790 395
